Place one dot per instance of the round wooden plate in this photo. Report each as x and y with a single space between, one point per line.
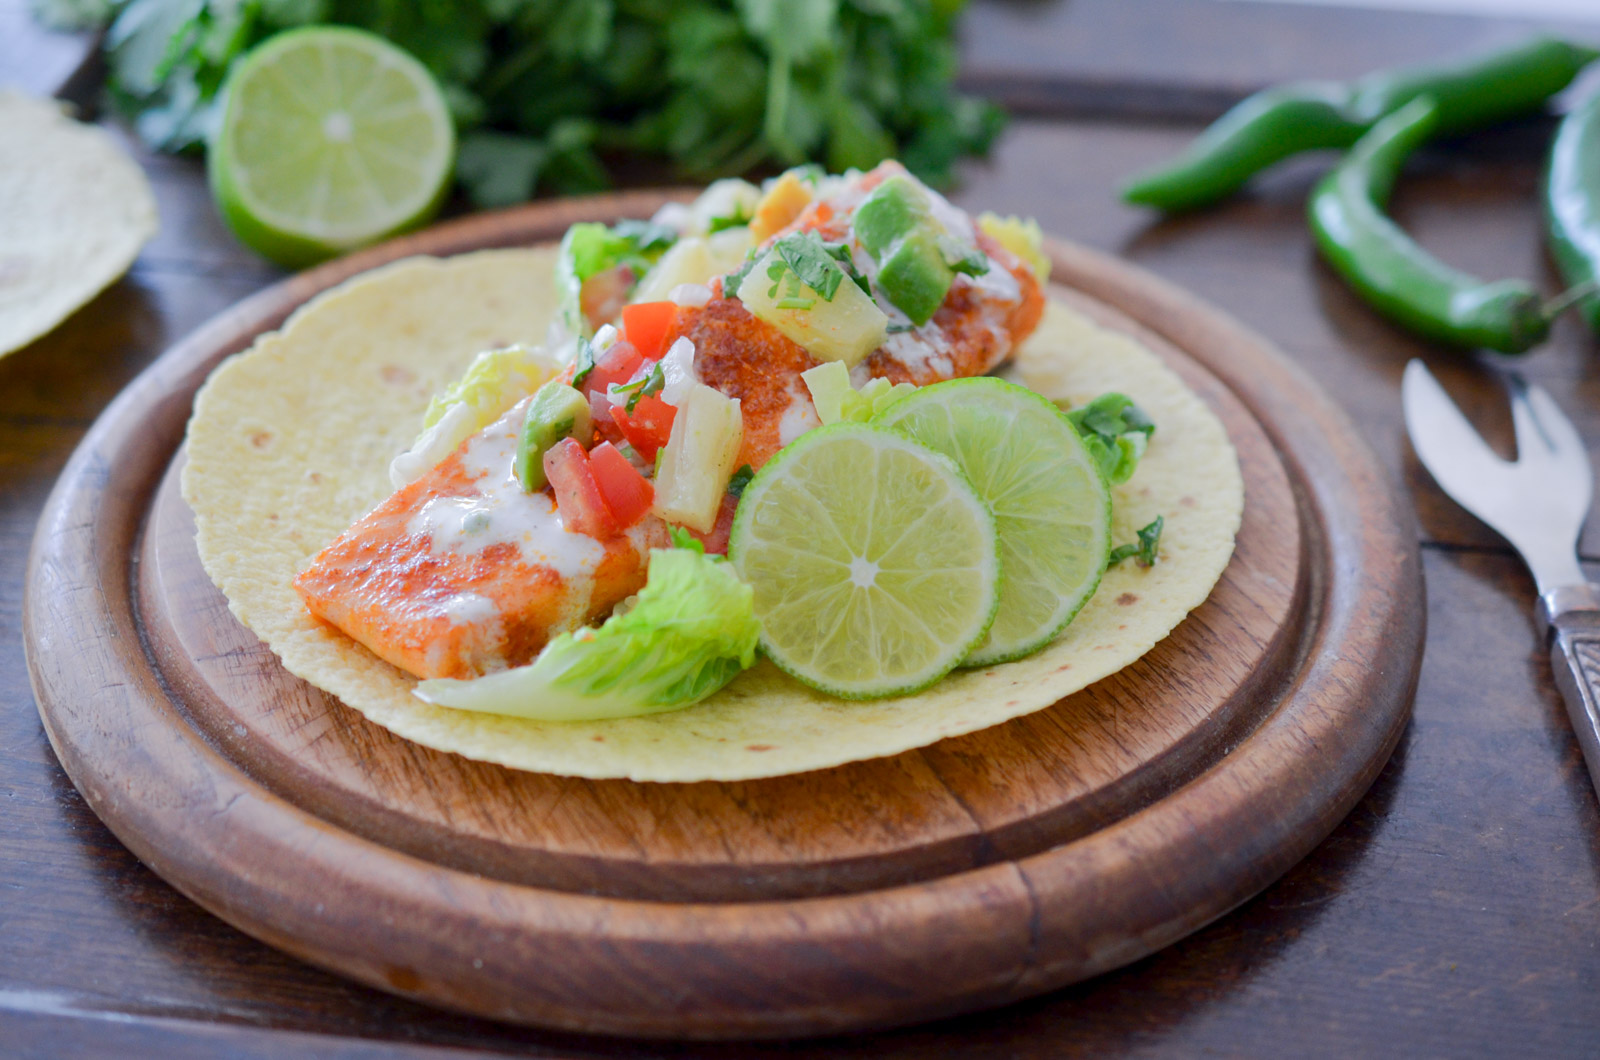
979 870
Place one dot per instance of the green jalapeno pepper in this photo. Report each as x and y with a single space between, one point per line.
1572 205
1392 272
1283 121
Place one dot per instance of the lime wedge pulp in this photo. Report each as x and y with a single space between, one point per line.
1052 508
873 560
330 138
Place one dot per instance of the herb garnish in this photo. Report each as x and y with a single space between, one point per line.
1115 431
732 281
741 478
812 262
1144 551
967 260
643 386
585 362
537 90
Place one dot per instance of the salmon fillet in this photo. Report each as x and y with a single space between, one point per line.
438 611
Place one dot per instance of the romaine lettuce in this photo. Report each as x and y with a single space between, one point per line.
691 629
492 383
839 402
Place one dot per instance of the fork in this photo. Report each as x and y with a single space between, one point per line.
1538 503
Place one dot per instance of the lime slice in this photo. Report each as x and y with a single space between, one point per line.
330 138
872 558
1051 505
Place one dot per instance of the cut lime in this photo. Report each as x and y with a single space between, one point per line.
873 561
1051 505
331 138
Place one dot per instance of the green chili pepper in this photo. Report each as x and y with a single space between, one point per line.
1572 205
1398 277
1283 121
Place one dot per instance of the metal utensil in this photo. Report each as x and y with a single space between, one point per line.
1538 503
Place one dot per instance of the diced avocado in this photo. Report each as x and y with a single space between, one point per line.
894 208
846 328
915 277
557 411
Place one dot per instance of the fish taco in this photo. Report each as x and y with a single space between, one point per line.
728 494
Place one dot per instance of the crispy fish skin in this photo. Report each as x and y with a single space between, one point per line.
392 589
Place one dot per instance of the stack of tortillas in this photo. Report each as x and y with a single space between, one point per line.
74 211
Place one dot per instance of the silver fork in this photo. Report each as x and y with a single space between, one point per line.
1538 503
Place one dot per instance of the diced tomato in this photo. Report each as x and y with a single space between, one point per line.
616 365
627 493
646 326
648 426
578 497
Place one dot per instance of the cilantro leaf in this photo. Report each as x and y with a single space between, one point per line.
741 478
1115 431
732 282
585 362
546 94
812 262
1144 550
650 384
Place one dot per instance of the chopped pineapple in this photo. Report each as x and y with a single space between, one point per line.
698 458
845 329
694 259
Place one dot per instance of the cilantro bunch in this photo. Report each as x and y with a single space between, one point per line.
545 92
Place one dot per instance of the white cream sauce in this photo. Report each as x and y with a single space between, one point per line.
923 349
998 284
500 512
469 609
801 414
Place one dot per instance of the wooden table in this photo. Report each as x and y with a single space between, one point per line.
1456 911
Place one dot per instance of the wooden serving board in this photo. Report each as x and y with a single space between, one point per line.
973 872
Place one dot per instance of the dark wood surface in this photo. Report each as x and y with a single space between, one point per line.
1456 911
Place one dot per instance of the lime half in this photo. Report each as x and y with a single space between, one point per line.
1050 503
873 561
330 138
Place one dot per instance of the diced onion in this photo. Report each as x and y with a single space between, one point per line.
677 368
690 294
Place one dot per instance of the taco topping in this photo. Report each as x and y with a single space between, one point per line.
542 520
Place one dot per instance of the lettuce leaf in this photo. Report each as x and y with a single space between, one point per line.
839 402
690 631
492 383
590 248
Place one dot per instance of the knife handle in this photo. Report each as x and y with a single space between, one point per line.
1575 659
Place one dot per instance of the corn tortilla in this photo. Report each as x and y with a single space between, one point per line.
74 212
291 440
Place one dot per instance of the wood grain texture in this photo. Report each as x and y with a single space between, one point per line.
991 867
